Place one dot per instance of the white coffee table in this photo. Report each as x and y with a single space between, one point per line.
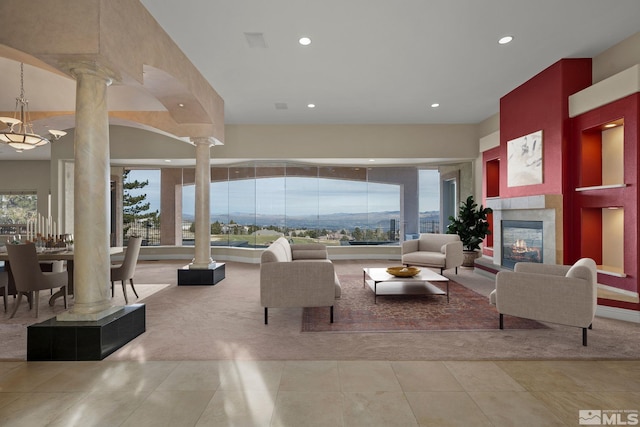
383 283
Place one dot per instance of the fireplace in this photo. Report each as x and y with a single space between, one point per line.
545 209
522 241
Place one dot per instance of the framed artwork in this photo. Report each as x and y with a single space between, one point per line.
524 160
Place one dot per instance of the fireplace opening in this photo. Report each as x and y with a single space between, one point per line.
521 242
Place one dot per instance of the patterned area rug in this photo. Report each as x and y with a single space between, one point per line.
356 311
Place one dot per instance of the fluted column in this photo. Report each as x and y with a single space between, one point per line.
91 196
202 258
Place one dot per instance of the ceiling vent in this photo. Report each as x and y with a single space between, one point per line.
255 40
281 106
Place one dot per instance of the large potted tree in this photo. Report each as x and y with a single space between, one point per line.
472 227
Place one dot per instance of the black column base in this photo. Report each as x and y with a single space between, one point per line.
85 340
197 277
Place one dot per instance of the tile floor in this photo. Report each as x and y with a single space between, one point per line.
315 393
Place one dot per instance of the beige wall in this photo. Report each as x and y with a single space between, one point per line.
349 141
617 58
451 142
489 126
130 144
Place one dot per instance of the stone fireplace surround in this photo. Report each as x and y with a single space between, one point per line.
546 208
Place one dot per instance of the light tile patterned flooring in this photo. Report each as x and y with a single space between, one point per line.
314 393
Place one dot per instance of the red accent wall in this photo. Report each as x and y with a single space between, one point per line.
542 104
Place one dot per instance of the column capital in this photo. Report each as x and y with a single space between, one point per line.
92 68
202 140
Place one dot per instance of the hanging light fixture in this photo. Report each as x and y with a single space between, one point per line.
20 134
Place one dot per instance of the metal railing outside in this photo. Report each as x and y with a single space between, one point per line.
429 226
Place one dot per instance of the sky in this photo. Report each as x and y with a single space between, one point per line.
336 196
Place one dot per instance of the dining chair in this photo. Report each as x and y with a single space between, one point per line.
4 287
29 277
127 269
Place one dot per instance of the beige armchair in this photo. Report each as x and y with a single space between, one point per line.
561 294
443 251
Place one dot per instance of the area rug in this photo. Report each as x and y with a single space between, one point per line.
356 311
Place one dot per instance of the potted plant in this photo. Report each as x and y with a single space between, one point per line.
472 227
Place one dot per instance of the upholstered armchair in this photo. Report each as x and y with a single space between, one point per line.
443 251
561 294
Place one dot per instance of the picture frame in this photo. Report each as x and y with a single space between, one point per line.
524 160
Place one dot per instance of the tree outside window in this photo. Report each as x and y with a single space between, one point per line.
138 218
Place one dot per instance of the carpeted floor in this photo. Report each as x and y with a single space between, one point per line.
13 332
356 311
225 322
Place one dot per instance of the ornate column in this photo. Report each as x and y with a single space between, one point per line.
91 196
202 258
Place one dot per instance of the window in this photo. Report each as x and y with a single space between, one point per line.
15 210
429 182
253 204
142 205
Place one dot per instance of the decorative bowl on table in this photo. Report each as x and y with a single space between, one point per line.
403 271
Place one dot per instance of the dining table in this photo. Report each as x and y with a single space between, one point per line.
50 254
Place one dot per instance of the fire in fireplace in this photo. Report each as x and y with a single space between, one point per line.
521 242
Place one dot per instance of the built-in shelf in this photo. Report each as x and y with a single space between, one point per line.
492 192
602 170
492 169
609 292
611 271
601 187
602 232
602 155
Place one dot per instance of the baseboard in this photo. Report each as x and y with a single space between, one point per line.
618 313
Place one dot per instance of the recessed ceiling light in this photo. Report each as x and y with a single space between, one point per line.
304 41
610 125
311 105
181 105
435 105
505 39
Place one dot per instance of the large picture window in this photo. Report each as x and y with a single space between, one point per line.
253 204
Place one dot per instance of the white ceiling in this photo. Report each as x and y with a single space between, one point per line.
370 61
384 61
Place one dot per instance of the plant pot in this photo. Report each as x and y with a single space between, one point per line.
469 258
